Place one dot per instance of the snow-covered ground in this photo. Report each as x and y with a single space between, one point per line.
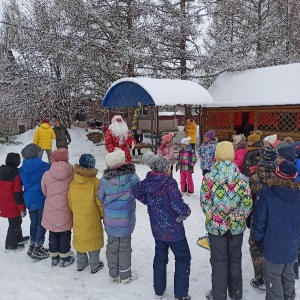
22 278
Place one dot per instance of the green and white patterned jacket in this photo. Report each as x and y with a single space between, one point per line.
225 198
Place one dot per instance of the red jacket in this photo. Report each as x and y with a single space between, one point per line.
112 142
11 193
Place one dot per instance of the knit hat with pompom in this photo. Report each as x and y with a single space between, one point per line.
156 163
168 137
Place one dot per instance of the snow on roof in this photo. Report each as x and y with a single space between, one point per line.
279 85
159 91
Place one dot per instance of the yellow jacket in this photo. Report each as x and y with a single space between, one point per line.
43 136
191 130
87 210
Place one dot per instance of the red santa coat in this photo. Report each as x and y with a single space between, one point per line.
112 142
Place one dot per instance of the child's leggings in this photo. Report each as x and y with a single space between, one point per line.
186 181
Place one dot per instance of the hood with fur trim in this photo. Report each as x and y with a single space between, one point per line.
82 175
116 172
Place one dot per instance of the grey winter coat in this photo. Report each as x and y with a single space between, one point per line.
62 136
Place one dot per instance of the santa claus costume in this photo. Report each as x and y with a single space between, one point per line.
118 136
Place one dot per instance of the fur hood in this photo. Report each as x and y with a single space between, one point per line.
277 181
116 172
84 171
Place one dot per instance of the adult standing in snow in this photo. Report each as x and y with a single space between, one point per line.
62 135
118 136
190 129
225 199
43 137
276 230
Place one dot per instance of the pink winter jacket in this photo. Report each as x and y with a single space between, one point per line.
239 157
167 150
57 216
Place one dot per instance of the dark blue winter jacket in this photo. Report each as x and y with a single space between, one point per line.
164 200
276 221
31 174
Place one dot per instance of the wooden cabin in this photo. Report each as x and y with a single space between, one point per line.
264 99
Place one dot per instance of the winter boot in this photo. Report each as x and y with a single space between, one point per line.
188 297
24 240
158 297
81 269
114 280
133 277
17 248
100 266
66 261
30 250
39 252
55 260
259 284
209 295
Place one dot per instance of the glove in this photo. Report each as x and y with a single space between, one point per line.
176 168
23 213
180 218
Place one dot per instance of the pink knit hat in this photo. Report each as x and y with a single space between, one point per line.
168 137
60 154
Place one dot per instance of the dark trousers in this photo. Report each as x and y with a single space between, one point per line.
226 263
257 259
60 242
14 232
280 281
37 231
182 266
193 145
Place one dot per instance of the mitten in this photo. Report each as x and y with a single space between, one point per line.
180 218
23 213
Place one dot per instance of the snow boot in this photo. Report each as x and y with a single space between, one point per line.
81 269
100 266
55 261
24 240
30 250
133 277
39 252
66 261
188 297
17 248
259 284
114 280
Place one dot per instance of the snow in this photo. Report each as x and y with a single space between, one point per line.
277 85
171 91
25 279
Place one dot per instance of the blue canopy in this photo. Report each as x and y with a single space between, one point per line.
127 94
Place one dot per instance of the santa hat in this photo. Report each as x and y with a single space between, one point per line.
287 170
186 141
60 154
168 137
115 118
271 139
224 151
115 159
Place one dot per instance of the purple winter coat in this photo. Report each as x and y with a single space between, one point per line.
57 216
164 201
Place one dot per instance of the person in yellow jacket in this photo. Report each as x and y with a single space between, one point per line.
190 129
43 137
87 214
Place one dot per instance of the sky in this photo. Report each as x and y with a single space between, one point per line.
25 279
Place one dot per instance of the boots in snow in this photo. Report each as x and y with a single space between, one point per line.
17 248
66 261
55 261
100 266
39 252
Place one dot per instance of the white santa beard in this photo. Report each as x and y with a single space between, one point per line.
120 130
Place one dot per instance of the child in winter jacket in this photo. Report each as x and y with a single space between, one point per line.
31 173
115 192
207 151
87 214
240 150
167 211
276 230
185 163
12 202
226 202
166 148
57 216
252 156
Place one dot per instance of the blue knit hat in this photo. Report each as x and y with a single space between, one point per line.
87 161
